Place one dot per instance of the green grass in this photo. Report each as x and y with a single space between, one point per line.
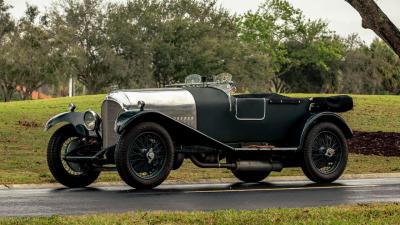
23 148
372 112
378 214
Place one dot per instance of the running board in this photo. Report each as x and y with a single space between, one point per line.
265 149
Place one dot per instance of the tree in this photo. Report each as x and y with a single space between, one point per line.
36 60
316 64
6 23
373 69
7 77
375 19
79 28
182 37
304 52
129 41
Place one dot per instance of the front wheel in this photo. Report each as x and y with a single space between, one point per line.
325 153
144 155
72 175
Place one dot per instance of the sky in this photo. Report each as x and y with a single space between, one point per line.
341 17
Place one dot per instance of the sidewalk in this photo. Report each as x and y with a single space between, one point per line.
205 181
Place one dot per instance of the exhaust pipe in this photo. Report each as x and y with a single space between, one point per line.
254 166
251 166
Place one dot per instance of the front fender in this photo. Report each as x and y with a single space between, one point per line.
124 119
181 133
74 118
325 117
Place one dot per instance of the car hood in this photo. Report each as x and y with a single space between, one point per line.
154 99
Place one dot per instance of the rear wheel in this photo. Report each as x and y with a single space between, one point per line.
325 153
251 176
144 155
73 175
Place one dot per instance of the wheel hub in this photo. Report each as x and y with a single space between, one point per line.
147 155
150 155
76 167
330 152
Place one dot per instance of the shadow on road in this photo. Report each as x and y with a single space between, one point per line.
184 188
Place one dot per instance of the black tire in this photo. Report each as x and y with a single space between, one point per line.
325 153
178 161
63 173
152 166
251 176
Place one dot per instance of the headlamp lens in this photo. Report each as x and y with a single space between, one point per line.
90 120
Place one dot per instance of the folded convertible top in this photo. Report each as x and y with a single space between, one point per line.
340 103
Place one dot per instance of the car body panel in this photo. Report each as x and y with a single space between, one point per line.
181 132
177 103
325 117
74 118
174 102
224 117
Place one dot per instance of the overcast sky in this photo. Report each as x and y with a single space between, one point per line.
341 16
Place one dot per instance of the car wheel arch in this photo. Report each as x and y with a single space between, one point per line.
73 118
325 117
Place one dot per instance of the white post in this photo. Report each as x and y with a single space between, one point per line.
70 87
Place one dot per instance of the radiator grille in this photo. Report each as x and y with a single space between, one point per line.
109 113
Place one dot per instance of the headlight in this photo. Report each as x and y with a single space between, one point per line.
91 120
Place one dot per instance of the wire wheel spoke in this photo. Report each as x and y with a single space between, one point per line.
72 168
326 152
147 155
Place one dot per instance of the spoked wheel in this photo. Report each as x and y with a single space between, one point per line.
70 174
144 155
325 153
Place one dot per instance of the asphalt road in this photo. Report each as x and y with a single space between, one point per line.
18 202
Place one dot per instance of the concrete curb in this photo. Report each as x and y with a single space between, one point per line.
203 181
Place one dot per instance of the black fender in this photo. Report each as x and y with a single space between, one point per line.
325 117
180 133
74 118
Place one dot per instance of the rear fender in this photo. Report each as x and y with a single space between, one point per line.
325 117
180 133
74 118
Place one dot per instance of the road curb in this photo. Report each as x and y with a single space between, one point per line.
203 181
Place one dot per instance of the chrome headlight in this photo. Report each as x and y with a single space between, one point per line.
91 120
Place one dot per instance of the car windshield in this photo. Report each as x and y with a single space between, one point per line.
221 81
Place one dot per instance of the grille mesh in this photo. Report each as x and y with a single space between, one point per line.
109 113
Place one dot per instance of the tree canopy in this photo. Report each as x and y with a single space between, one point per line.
153 43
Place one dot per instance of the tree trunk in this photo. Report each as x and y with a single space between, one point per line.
375 19
91 89
7 91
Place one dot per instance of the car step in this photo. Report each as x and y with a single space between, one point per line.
265 148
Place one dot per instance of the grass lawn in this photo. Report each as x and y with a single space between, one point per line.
378 214
372 112
23 142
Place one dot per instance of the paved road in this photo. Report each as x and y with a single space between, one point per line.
17 202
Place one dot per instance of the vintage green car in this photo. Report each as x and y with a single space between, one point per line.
144 134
